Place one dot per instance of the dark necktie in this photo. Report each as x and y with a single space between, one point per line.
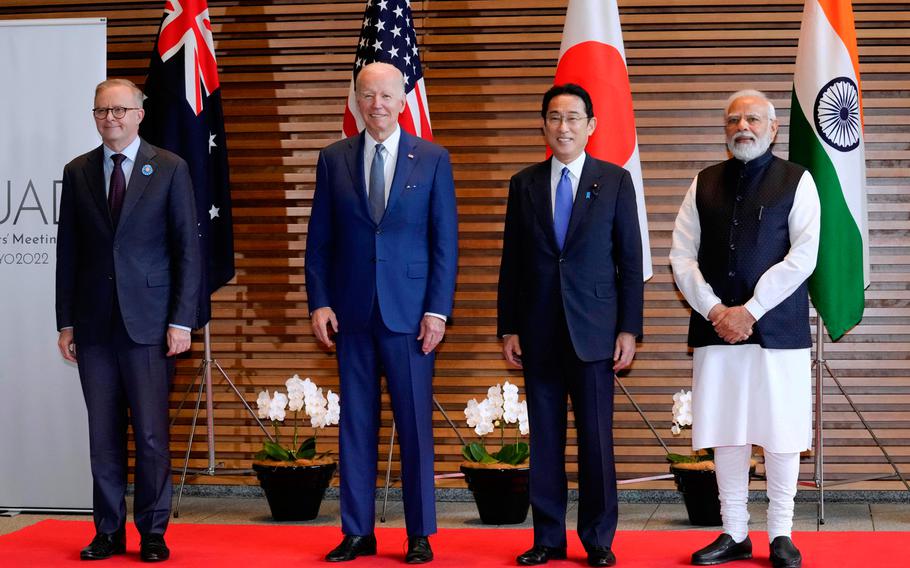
562 210
377 186
117 188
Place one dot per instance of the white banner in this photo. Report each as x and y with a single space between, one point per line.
49 70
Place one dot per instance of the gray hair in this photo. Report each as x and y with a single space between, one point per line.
772 115
117 82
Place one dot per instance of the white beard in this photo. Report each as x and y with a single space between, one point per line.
748 152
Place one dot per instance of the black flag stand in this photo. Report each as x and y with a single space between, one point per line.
204 381
820 365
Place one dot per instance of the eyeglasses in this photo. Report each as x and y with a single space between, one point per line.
119 112
554 120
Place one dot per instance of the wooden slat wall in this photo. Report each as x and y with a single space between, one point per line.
285 68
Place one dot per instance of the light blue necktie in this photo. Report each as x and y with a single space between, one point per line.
376 193
563 208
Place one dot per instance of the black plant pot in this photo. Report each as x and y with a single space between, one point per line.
294 492
501 495
699 491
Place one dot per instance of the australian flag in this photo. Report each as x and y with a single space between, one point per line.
388 36
183 114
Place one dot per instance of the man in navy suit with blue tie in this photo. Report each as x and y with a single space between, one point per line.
570 310
128 279
381 259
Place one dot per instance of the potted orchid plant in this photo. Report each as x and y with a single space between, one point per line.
295 477
498 479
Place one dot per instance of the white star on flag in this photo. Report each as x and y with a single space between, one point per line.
213 212
388 36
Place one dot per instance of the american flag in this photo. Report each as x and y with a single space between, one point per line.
388 36
183 114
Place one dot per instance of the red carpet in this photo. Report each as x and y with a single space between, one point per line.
57 543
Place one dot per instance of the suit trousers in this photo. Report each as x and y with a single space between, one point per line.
119 375
362 357
550 377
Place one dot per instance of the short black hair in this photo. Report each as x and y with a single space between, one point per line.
567 89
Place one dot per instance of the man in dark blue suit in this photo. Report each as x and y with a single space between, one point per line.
127 290
381 259
570 310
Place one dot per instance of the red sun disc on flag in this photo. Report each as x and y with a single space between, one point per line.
600 69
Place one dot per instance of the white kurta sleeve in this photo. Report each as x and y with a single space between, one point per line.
782 279
684 257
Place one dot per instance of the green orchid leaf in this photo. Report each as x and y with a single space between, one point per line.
513 454
307 449
276 452
679 458
477 453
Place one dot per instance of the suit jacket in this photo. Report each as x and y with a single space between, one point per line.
407 262
596 280
150 261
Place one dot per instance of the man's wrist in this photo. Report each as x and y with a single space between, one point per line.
178 326
435 315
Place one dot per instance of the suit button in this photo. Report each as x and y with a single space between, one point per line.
732 246
378 231
731 274
561 260
739 198
736 222
110 277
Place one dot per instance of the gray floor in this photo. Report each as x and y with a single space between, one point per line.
632 516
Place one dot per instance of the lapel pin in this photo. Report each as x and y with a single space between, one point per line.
588 195
147 170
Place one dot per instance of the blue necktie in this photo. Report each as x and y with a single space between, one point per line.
563 208
376 193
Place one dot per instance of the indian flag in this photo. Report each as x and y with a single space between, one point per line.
826 136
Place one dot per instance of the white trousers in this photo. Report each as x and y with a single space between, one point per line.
782 472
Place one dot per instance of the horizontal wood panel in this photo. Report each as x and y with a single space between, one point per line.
285 70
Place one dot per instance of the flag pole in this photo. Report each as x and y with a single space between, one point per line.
821 365
204 380
819 416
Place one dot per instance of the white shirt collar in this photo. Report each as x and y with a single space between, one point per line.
130 151
390 144
575 167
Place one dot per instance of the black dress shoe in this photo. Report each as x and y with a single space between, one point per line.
723 549
419 551
541 555
784 554
601 556
351 547
104 546
153 549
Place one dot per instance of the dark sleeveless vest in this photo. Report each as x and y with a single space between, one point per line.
743 210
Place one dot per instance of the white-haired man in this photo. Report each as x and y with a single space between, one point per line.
744 244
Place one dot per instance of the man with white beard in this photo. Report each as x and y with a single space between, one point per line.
745 241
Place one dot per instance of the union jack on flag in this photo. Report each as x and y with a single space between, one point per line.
183 114
388 36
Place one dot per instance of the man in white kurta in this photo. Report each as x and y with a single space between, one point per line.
744 244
